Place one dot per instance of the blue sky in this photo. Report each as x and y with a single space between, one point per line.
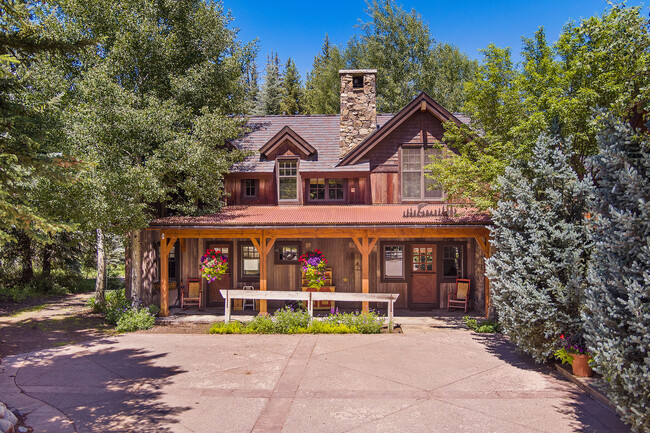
296 28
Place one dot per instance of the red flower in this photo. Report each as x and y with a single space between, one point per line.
562 336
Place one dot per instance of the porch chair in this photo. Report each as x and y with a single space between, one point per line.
460 299
248 302
192 294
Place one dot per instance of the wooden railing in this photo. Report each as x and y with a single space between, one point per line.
310 298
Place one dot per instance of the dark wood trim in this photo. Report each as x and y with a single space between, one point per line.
279 244
243 189
287 133
240 259
441 245
381 258
327 200
386 168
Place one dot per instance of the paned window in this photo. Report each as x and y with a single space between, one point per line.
250 261
172 263
250 188
287 253
415 185
452 261
326 189
288 179
393 261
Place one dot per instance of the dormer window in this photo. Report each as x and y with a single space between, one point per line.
415 185
357 82
287 179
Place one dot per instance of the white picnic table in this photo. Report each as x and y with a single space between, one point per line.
310 298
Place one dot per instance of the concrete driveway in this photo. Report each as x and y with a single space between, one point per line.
433 378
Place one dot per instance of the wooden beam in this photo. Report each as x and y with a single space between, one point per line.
358 244
165 246
482 244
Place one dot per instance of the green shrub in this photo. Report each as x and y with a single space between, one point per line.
133 319
483 327
290 321
227 328
260 324
364 323
319 327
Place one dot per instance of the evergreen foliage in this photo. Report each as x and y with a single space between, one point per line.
291 90
270 100
617 314
538 269
602 61
323 86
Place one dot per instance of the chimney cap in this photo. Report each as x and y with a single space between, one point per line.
357 71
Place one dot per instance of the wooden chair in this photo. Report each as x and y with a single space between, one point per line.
460 299
192 294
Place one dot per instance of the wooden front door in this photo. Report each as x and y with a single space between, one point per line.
214 297
423 287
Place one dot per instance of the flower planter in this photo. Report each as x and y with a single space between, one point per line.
580 365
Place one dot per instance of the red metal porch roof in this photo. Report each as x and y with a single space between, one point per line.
333 215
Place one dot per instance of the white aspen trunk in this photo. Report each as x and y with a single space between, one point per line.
100 281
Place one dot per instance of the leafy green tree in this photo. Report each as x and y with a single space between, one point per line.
270 101
400 46
291 90
323 86
617 313
149 110
538 269
600 62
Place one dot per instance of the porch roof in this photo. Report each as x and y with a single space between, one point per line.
402 215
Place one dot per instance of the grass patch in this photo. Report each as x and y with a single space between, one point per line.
289 321
30 309
482 327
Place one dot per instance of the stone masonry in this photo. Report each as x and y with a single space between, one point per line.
358 107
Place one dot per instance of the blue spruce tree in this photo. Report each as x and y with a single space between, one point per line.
617 313
538 269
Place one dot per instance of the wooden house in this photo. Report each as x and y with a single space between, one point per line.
351 185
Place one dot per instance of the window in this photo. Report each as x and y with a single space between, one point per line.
326 189
250 262
250 188
452 261
416 186
393 262
172 263
287 253
288 179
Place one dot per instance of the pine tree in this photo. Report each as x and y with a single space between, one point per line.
271 94
291 90
617 314
537 272
323 85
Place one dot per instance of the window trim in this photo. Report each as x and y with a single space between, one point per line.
327 199
277 180
243 277
441 261
384 278
423 179
276 258
244 188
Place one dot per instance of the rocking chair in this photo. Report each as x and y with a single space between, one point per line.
460 299
192 294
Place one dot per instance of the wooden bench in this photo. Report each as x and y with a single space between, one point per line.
310 298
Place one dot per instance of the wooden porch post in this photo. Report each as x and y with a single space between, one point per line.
365 246
165 246
263 247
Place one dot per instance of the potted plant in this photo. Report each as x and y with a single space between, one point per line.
575 352
214 265
314 265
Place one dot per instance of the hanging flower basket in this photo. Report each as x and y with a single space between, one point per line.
313 264
214 265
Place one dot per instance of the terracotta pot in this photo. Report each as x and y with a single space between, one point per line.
580 365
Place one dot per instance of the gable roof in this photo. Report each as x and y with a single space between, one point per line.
422 102
289 134
321 131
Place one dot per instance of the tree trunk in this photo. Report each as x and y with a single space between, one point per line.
100 281
25 246
136 266
46 260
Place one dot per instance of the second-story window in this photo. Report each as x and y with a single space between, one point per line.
250 188
321 189
415 185
288 179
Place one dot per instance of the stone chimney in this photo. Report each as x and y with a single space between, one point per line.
358 107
